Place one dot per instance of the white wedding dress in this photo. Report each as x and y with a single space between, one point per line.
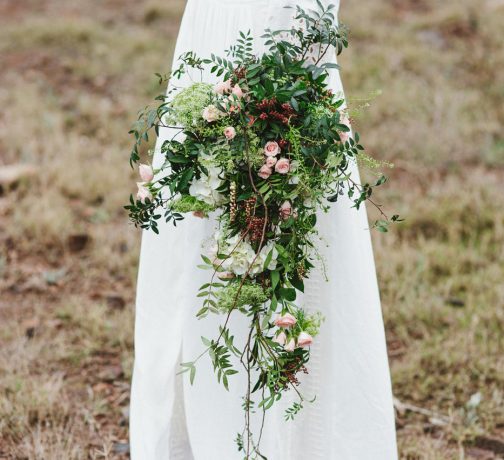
352 417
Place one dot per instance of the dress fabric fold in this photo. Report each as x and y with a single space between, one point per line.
352 417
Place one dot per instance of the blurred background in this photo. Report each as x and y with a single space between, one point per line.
72 77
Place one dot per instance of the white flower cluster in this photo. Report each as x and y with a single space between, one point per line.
241 256
205 188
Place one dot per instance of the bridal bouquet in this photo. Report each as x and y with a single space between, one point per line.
264 150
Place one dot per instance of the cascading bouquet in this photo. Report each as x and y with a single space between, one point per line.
266 149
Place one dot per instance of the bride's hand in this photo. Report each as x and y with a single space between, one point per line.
199 214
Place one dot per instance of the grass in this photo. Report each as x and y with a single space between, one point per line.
72 79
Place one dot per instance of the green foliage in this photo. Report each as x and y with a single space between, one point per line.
309 323
189 203
292 411
236 295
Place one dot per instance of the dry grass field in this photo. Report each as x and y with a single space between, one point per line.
72 77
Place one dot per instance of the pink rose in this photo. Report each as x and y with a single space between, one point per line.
280 338
223 87
270 161
286 320
282 166
264 172
344 135
271 149
146 172
290 346
305 339
143 192
211 113
237 91
230 133
285 210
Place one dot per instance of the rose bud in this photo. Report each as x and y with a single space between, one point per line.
264 172
285 210
344 135
280 338
230 133
282 166
223 87
271 149
291 346
146 172
237 91
143 192
286 320
305 339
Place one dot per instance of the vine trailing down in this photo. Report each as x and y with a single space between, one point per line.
264 150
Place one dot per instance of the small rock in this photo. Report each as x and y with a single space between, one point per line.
494 445
30 326
116 302
432 38
78 242
53 277
125 412
111 374
101 387
34 284
455 302
479 454
121 448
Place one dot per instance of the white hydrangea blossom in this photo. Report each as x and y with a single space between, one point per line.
258 265
205 188
242 257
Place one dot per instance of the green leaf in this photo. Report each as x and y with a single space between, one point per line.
294 104
206 259
288 294
275 278
269 257
274 303
297 283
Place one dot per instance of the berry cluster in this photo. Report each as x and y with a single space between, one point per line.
270 110
254 225
284 144
291 370
240 73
